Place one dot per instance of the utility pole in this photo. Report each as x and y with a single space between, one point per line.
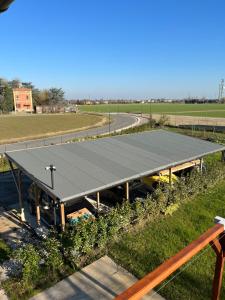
150 112
221 88
109 122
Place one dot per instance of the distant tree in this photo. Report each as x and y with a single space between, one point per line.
6 103
56 95
36 96
15 83
43 97
28 85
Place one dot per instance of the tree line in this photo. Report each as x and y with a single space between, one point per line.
52 96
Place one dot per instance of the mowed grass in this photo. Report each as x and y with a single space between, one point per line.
143 250
206 114
15 128
210 110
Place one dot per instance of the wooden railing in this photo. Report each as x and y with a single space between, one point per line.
215 236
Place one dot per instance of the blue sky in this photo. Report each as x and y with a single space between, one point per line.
116 48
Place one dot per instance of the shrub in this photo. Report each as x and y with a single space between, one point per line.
102 236
164 120
29 258
52 254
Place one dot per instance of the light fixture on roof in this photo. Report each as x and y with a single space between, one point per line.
51 168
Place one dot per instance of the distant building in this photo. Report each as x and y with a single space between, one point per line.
51 109
23 101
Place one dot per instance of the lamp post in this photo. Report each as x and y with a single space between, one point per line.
51 168
109 123
150 113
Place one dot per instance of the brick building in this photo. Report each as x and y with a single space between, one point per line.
23 101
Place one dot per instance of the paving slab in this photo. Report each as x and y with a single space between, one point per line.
101 280
3 295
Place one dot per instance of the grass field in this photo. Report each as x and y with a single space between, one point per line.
209 110
14 128
142 251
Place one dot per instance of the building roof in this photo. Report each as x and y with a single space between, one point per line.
87 167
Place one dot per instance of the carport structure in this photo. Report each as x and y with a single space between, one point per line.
90 167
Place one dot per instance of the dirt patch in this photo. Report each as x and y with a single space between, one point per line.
177 120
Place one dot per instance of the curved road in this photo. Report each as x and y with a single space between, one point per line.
119 121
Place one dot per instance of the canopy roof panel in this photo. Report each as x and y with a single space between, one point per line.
91 166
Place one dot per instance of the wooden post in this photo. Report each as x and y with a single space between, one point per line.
219 247
127 196
37 203
201 164
223 156
218 276
170 176
22 216
62 213
98 201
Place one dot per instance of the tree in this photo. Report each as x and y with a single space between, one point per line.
15 83
6 99
28 85
56 96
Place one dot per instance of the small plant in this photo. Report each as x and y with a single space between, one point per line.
163 121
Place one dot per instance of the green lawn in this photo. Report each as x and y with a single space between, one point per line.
204 114
210 110
15 128
142 251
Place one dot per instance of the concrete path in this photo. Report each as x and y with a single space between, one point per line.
102 280
8 224
119 121
3 295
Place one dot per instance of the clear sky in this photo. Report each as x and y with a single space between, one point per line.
116 48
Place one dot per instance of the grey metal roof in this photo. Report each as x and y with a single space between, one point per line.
91 166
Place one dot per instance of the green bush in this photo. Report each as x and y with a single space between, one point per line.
52 254
30 258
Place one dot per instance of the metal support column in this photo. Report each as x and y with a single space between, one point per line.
54 211
20 193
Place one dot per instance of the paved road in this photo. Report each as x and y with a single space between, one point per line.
119 121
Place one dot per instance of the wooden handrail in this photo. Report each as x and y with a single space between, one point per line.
151 280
